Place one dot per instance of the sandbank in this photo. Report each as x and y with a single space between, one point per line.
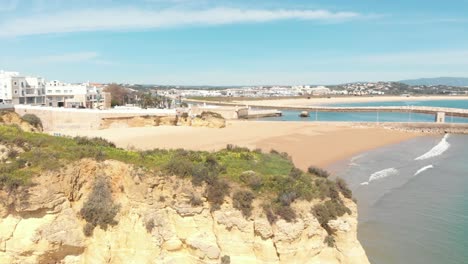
315 101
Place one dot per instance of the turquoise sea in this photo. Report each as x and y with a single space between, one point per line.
378 117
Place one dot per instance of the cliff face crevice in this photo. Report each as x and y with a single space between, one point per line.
157 224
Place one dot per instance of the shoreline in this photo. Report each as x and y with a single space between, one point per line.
318 144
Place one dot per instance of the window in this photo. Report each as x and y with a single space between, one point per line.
15 83
49 91
57 91
16 91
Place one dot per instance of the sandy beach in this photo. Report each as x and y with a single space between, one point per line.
308 143
339 100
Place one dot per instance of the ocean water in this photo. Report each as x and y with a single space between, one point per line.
377 117
412 200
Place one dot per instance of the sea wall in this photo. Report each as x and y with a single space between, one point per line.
83 119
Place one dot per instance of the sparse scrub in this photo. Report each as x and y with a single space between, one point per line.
99 209
318 172
226 260
242 200
251 179
33 120
330 241
216 192
343 187
330 210
286 212
96 142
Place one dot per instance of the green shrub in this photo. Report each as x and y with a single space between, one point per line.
330 241
242 200
99 209
295 173
286 199
286 212
216 192
343 188
236 149
180 166
270 215
251 179
10 184
330 210
33 120
95 142
318 172
226 260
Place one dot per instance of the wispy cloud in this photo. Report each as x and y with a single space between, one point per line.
67 58
137 19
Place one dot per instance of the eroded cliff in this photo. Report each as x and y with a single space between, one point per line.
158 223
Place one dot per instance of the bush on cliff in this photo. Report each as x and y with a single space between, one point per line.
33 120
95 142
330 210
242 200
318 172
99 209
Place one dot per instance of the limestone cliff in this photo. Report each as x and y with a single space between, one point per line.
157 224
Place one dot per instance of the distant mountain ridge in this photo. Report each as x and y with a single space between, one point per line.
449 81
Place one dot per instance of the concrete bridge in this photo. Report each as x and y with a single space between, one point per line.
401 109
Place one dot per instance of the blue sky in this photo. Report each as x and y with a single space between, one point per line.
221 42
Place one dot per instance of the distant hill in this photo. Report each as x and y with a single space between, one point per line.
449 81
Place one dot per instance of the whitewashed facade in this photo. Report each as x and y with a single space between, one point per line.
17 89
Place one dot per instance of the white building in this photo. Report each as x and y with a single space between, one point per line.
17 89
320 90
60 94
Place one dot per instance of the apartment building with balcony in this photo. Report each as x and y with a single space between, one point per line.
18 89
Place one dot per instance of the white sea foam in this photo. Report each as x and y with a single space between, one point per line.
438 150
353 161
424 169
380 175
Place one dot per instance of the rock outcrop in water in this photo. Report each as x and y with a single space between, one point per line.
157 224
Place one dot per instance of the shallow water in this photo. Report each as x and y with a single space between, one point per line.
377 116
414 210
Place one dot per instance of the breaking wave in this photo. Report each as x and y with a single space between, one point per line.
380 175
437 150
424 169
